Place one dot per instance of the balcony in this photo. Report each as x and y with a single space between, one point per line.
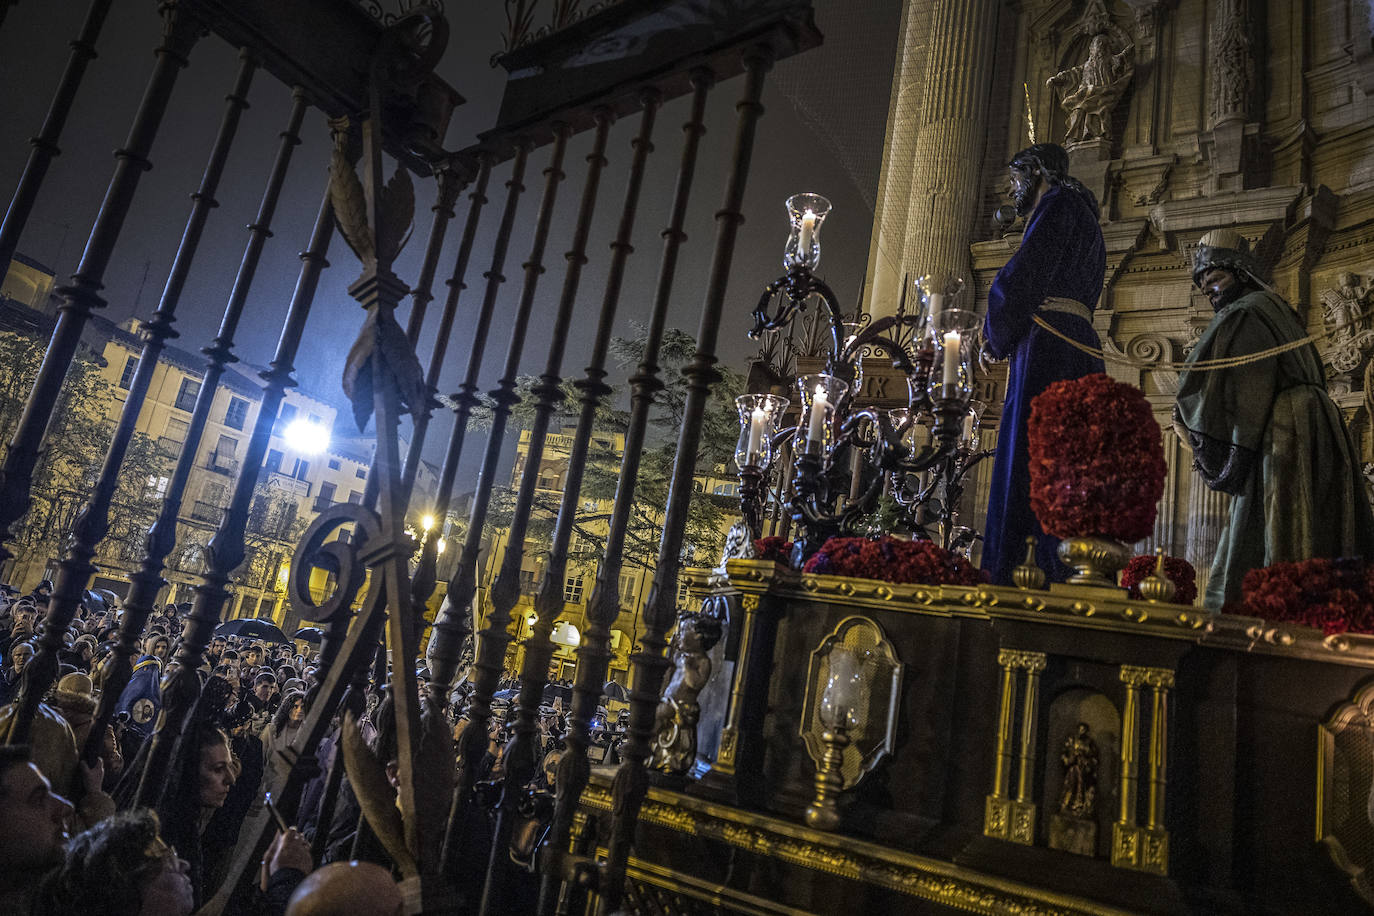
207 512
221 464
279 481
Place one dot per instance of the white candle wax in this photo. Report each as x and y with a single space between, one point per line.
758 423
815 428
968 426
937 303
808 232
951 373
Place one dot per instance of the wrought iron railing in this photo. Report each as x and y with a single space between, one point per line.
386 103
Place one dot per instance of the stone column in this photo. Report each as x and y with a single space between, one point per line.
1207 513
936 135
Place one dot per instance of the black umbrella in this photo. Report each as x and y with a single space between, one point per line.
614 691
252 628
310 634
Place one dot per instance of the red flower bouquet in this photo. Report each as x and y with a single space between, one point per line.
1334 596
777 549
1179 571
893 560
1096 460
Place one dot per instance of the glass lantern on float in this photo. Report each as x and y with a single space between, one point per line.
822 395
806 212
950 385
842 712
759 416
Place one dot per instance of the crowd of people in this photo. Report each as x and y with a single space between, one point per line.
76 841
85 836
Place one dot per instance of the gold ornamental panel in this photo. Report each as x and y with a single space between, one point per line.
878 698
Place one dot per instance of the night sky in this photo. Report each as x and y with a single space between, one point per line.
822 132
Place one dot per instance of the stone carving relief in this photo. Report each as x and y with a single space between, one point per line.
1090 91
1233 63
1348 342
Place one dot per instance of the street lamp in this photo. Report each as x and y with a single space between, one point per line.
306 437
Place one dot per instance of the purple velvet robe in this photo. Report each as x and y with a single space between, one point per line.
1061 255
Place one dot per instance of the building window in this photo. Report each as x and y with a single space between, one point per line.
627 591
237 413
726 489
287 414
274 460
361 473
334 464
529 581
572 590
355 497
186 397
130 367
326 493
176 429
302 469
682 593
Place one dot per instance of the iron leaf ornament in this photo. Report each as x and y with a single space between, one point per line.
382 343
395 212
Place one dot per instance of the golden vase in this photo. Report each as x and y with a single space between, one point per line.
1095 560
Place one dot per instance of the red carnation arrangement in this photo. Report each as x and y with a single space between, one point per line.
1334 596
893 560
1178 570
777 549
1096 460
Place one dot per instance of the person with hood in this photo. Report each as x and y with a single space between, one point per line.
142 698
1266 431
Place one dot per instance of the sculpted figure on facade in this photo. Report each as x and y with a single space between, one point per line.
1089 92
1349 342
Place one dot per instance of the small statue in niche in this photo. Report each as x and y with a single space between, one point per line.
675 723
1079 758
1091 90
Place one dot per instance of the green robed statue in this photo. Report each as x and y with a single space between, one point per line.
1266 432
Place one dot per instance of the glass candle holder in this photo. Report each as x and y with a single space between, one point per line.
820 393
806 213
934 295
841 705
973 421
759 416
951 376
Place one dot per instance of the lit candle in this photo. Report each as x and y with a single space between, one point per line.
808 232
951 374
758 423
815 429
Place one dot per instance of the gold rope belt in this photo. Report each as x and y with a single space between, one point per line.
1202 365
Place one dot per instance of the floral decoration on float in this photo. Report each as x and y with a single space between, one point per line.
895 560
1096 472
1331 595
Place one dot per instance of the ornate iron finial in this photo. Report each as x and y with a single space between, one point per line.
1157 586
1028 575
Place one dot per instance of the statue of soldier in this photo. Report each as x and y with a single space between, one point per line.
1266 431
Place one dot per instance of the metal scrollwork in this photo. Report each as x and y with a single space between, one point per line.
338 557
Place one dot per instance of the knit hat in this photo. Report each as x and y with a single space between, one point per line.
1224 249
75 691
85 639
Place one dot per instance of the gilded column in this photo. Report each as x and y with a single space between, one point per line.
1003 817
1135 847
944 137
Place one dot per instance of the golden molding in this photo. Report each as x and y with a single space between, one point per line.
846 857
1079 607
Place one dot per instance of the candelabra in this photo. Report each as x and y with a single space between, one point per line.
933 345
